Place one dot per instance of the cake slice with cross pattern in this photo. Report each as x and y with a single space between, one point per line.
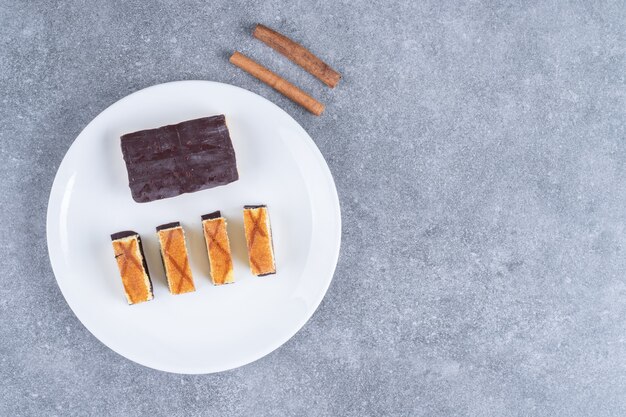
256 221
131 263
218 248
175 258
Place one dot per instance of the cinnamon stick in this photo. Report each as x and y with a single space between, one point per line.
298 54
277 83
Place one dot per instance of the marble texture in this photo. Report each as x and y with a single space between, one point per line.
479 152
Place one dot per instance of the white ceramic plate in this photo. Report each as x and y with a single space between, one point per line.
214 328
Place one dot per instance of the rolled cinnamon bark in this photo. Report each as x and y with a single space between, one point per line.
277 83
298 54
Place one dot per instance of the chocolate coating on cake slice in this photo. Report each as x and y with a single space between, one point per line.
182 158
215 215
125 233
168 226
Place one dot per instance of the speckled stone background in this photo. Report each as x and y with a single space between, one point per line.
479 151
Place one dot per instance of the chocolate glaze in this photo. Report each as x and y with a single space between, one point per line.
145 265
254 207
121 235
168 226
214 215
171 160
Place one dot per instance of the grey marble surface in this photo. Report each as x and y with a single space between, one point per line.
479 152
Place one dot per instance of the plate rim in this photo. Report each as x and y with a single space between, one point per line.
54 202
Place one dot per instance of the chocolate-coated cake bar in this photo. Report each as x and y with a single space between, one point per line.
131 263
171 160
256 221
218 248
175 259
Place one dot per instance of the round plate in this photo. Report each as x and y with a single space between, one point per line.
214 328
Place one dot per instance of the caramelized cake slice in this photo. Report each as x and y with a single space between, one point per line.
256 221
175 260
131 263
218 248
